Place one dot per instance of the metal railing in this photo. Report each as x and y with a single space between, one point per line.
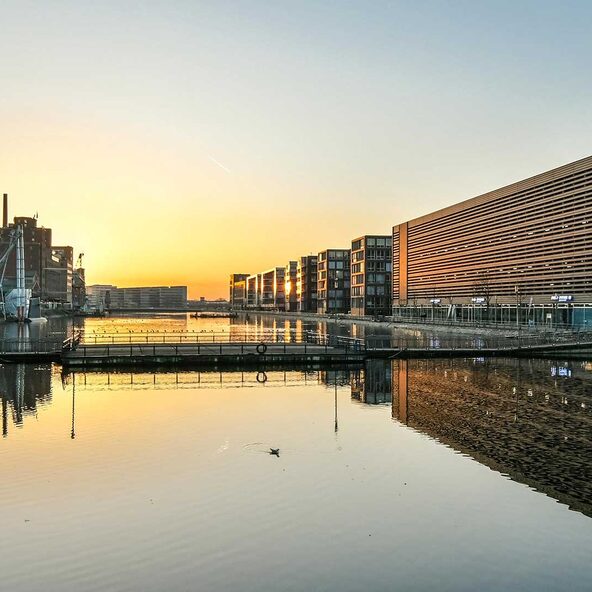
338 347
454 342
192 337
34 346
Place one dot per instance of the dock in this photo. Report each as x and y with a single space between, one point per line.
268 350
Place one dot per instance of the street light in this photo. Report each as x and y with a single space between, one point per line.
517 291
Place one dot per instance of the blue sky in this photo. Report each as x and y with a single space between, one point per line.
330 119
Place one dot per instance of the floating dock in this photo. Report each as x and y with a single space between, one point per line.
199 351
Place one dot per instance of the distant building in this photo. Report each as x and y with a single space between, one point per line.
37 244
306 283
146 297
202 304
371 275
99 295
290 287
78 288
58 274
333 281
48 268
238 290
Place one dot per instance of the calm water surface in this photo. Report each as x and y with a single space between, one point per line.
426 475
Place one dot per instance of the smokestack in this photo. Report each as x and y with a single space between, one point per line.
5 211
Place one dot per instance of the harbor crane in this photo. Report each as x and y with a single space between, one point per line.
15 241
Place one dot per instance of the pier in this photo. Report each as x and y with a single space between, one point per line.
270 349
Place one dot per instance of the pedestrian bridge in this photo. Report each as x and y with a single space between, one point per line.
258 349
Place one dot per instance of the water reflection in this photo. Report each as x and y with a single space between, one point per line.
530 420
250 325
24 387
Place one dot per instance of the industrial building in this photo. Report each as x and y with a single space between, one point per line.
520 254
371 275
306 283
333 281
48 268
58 275
79 287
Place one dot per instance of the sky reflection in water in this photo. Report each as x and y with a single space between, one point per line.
447 475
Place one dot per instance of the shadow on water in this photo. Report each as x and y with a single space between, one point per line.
528 419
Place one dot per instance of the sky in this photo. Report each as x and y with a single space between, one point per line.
178 142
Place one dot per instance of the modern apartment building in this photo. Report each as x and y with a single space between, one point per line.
520 254
238 290
273 289
290 287
306 283
254 291
333 281
371 275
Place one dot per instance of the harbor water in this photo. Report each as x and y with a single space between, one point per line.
398 475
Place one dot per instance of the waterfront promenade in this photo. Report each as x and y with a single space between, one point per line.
272 349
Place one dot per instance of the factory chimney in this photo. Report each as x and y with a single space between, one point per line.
5 211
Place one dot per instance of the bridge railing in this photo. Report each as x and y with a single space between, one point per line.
472 342
190 337
339 347
33 346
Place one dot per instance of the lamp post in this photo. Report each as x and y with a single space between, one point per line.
517 291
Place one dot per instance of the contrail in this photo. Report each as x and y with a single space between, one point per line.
219 164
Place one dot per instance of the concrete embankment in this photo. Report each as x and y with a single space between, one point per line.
425 327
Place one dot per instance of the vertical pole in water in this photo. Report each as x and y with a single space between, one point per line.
73 431
20 276
336 421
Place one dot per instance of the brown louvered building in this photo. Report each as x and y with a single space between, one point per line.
526 247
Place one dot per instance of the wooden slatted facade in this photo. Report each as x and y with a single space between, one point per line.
532 238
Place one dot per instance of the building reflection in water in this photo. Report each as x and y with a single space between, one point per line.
23 388
527 419
373 384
